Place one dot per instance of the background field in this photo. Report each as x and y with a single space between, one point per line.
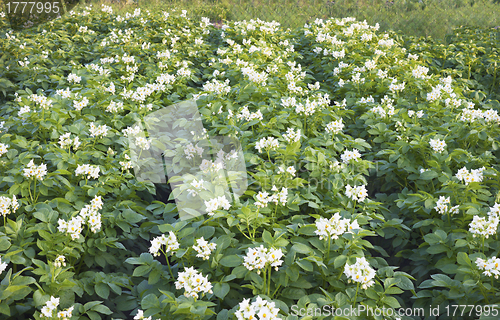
435 18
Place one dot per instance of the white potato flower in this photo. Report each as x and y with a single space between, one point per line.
98 131
217 204
3 266
3 148
60 261
335 126
358 193
89 170
438 145
360 272
260 257
32 170
442 206
491 266
204 248
169 242
260 309
193 283
475 175
350 155
8 206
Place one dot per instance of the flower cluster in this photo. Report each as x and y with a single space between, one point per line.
420 72
66 142
438 145
126 165
142 143
490 266
3 266
79 105
292 136
8 205
193 283
420 113
475 175
51 306
114 107
358 193
99 131
191 151
169 242
60 261
74 78
269 143
216 204
64 93
140 316
262 309
360 272
334 227
35 171
204 248
89 213
217 87
3 148
42 100
88 170
197 185
245 114
291 170
260 257
442 206
263 198
483 227
335 126
350 155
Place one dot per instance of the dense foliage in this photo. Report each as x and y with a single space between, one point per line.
372 180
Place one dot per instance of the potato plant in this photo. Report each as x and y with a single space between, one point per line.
372 175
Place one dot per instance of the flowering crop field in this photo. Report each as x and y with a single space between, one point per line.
372 178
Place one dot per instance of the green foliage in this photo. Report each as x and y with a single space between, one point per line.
398 207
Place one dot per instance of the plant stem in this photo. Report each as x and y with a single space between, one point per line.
264 285
29 189
168 263
481 287
328 250
356 295
269 281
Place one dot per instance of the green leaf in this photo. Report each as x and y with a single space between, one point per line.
428 175
150 301
223 315
293 293
339 261
131 216
267 237
306 265
102 309
301 248
437 248
93 315
4 244
391 301
154 276
463 259
141 270
221 290
91 304
102 290
230 261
